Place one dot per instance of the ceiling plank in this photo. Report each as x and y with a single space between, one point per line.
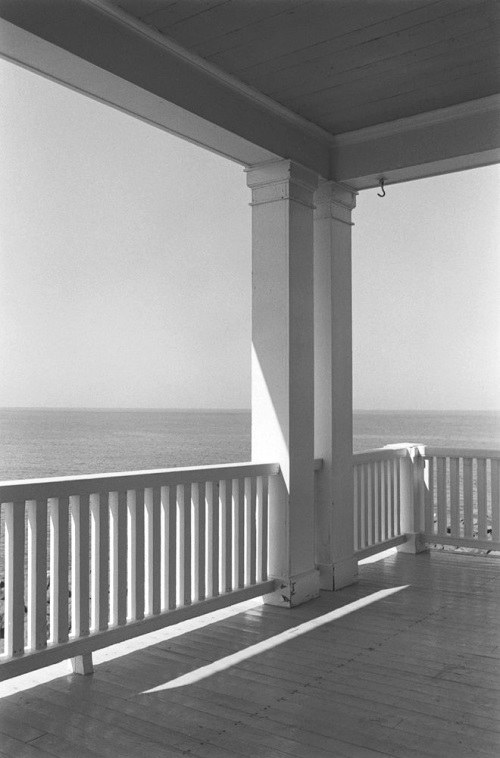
396 49
305 27
389 109
221 20
395 75
141 8
181 12
411 19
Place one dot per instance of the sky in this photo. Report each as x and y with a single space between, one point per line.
125 270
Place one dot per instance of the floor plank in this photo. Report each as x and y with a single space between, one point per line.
415 674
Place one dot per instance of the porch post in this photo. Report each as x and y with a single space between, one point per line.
283 368
333 385
413 489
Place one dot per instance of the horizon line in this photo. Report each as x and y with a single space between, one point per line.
192 409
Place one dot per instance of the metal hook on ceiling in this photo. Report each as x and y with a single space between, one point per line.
381 183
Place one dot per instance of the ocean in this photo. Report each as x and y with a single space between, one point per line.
38 443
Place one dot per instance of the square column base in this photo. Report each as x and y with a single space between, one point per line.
415 542
334 576
295 590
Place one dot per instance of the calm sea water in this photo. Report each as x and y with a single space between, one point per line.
42 443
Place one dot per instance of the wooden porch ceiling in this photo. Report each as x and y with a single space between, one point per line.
342 64
414 673
351 89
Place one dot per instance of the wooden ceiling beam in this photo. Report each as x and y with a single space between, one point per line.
94 48
441 141
98 50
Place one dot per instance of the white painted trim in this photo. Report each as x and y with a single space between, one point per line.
276 181
427 170
37 489
272 172
439 142
419 121
211 69
329 192
334 201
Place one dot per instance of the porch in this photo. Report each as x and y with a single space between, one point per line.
397 664
98 560
309 142
404 663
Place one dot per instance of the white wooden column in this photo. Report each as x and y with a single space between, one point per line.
283 367
333 385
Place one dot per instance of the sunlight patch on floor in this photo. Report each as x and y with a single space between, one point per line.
378 556
49 673
261 647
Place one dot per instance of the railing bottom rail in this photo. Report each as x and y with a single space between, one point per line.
465 542
367 552
97 641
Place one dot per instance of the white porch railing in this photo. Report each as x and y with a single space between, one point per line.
426 495
126 554
130 553
462 497
379 477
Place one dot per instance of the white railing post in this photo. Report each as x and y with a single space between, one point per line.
82 664
14 578
37 574
412 478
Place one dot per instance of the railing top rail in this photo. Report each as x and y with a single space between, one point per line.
380 454
426 451
457 452
33 489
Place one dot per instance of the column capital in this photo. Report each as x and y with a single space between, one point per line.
281 180
334 200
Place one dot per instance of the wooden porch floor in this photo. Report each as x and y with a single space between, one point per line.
412 673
